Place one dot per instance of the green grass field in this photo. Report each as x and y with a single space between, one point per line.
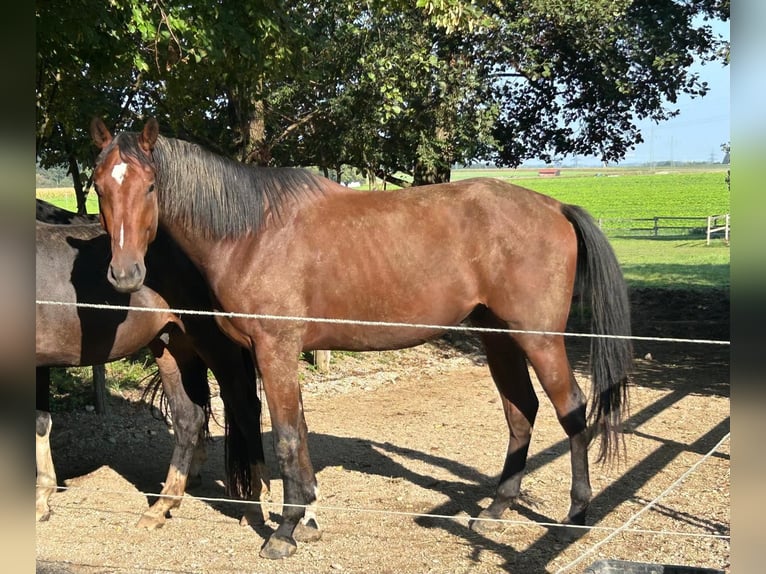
629 195
618 193
613 193
64 197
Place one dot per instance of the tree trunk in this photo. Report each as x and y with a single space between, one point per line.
79 190
255 149
246 114
428 174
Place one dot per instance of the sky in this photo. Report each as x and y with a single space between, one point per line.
698 131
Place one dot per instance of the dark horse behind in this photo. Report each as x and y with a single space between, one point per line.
71 261
287 243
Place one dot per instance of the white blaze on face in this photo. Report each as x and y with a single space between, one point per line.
118 172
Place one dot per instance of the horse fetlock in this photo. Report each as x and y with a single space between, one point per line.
42 511
577 514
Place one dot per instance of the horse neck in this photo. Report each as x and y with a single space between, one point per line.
192 242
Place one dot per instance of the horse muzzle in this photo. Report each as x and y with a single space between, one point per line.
126 278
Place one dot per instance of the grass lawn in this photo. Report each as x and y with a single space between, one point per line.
612 193
64 197
685 264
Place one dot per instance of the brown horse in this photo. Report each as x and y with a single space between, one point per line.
71 263
284 242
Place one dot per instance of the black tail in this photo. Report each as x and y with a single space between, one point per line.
599 274
244 447
239 480
199 393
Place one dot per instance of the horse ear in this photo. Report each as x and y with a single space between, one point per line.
148 136
100 133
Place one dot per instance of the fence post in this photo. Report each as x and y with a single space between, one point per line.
99 389
709 225
656 226
726 231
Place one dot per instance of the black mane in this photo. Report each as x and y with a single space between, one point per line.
215 195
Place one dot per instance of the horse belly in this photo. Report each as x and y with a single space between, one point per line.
385 305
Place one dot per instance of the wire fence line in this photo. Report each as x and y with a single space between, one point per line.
365 323
647 507
611 532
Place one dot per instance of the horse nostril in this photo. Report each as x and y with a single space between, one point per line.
126 280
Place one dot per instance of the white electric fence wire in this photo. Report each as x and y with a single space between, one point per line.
403 513
464 328
625 528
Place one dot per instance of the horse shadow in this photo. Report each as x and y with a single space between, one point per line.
678 372
470 486
146 433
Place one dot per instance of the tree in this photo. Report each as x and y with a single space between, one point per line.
81 68
400 91
414 90
162 59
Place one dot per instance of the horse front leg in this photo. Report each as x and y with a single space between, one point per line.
46 474
179 369
508 366
283 395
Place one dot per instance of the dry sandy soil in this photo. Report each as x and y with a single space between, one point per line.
406 446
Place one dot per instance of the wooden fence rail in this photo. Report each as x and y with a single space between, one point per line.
718 224
666 226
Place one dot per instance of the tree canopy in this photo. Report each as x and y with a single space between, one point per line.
399 90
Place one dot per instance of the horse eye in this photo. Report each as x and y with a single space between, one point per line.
151 188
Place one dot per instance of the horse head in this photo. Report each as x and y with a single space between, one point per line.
124 180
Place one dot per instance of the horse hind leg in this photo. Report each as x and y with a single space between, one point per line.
548 357
46 483
177 369
508 367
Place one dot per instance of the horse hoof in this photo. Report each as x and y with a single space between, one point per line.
307 532
577 518
484 526
278 547
151 521
43 516
569 531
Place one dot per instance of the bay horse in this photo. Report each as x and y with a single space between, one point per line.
285 242
71 262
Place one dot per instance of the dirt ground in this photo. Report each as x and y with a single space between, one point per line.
407 445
